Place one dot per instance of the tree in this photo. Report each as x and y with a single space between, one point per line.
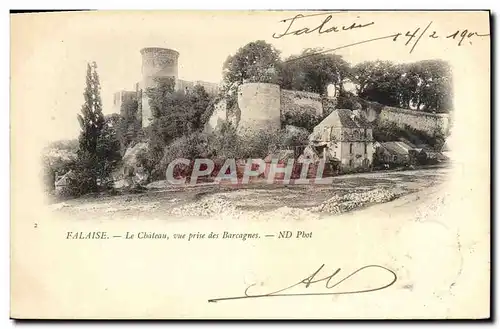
97 153
378 81
257 61
428 85
313 71
108 148
424 85
175 114
91 123
199 100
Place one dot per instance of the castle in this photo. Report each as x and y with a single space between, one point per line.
265 106
343 135
157 64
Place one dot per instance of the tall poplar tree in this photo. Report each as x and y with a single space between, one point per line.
92 124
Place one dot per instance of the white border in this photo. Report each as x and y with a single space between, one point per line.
185 4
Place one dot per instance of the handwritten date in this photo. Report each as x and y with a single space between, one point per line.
460 35
412 36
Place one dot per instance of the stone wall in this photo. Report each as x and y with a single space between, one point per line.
121 97
263 105
430 123
293 102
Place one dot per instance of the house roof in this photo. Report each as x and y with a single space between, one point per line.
398 148
406 146
350 120
407 142
426 148
445 147
344 118
65 179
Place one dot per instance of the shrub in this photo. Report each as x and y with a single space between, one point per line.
305 120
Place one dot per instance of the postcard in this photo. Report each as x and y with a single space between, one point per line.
250 165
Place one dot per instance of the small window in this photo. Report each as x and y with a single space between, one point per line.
350 163
350 148
366 133
366 149
395 158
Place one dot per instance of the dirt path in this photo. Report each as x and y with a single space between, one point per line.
346 193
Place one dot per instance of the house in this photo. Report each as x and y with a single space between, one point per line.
395 153
445 148
429 154
407 142
63 183
445 151
346 138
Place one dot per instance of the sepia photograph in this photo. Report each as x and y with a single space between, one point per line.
262 141
198 163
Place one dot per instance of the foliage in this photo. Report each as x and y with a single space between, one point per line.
257 61
108 149
175 114
191 147
70 145
98 152
225 142
91 123
294 136
313 71
424 85
392 132
378 81
427 85
129 127
304 119
348 101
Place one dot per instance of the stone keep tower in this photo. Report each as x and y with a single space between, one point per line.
157 63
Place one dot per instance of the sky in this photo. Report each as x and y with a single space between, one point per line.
50 51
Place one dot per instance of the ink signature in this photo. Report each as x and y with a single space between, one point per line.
331 281
412 37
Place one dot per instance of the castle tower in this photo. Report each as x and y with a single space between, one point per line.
260 106
157 63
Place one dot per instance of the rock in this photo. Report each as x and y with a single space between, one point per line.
209 206
340 204
131 172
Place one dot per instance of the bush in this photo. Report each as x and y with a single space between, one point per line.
189 147
305 120
392 132
258 144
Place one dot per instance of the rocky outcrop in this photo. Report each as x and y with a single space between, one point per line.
131 172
